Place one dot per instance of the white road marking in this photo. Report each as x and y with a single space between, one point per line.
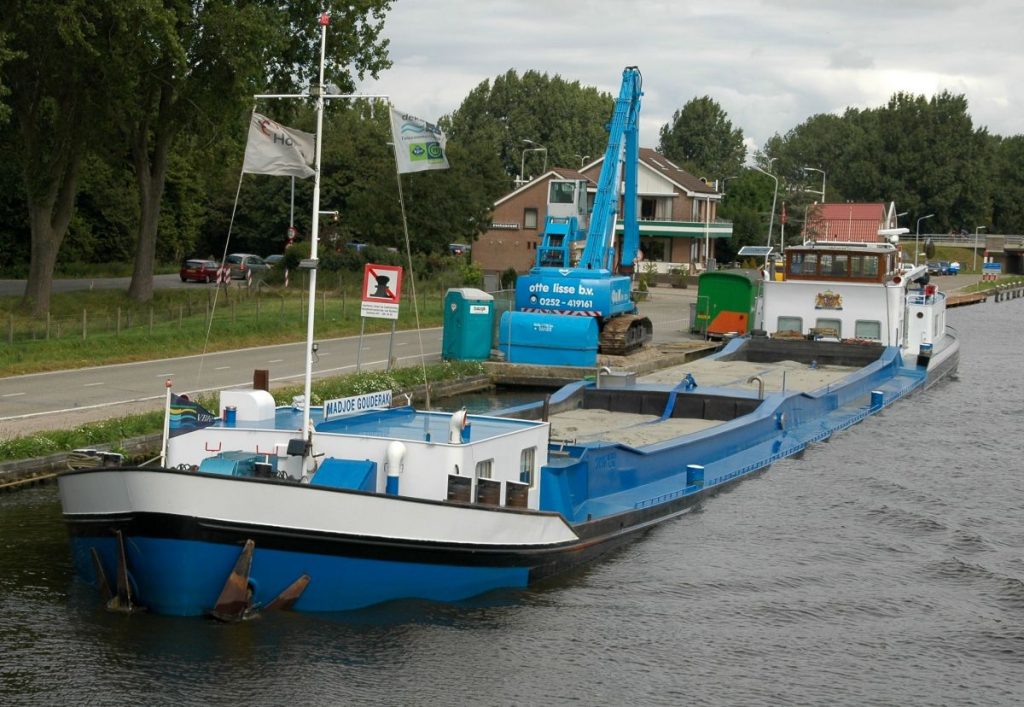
92 385
11 395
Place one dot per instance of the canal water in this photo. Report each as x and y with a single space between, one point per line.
884 568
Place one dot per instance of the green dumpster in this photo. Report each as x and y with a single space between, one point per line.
726 303
468 325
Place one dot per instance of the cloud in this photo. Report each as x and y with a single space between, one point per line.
769 65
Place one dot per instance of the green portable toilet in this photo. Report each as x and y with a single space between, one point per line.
468 325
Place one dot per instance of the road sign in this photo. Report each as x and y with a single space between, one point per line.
382 290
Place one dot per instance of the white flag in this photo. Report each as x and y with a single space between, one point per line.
274 149
419 145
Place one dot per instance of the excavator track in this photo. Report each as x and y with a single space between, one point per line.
624 334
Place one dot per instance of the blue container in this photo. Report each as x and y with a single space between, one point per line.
468 325
548 339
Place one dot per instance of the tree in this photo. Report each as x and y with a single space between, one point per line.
924 154
701 139
58 53
1008 199
747 203
567 119
6 55
196 65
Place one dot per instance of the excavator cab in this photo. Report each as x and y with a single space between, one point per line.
566 222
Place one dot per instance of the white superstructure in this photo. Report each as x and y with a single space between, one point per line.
853 291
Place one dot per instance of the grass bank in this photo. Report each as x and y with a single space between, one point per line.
90 328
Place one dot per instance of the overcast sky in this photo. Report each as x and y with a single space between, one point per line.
769 65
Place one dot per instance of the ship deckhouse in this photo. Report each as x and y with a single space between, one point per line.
852 291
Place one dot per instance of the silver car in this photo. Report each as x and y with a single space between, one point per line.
241 264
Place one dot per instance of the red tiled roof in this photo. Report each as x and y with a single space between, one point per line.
844 222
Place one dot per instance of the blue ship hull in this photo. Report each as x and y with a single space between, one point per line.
600 494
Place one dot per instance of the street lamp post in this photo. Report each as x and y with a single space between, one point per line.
974 262
771 218
522 158
917 238
822 192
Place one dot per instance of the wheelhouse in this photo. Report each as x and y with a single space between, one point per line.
842 262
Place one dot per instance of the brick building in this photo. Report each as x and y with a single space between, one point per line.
677 213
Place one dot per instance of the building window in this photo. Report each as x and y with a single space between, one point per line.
648 209
791 325
530 218
867 330
483 469
526 466
653 249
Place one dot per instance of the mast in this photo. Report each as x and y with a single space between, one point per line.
314 238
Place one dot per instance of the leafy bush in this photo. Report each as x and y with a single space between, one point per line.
471 275
508 278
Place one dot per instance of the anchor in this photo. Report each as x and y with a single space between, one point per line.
235 602
121 602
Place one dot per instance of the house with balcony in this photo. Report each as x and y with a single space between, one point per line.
677 213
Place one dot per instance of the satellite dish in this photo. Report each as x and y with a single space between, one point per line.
929 249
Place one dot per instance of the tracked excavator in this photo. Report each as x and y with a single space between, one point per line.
576 300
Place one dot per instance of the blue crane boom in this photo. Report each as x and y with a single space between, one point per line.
620 157
565 311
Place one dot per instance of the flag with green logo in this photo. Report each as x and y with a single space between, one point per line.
419 145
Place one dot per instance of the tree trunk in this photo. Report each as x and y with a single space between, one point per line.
151 176
49 217
45 244
151 189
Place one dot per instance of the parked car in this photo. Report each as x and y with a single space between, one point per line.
273 260
459 248
940 267
199 270
241 263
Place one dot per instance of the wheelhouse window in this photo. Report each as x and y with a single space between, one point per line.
791 325
530 218
527 473
810 264
484 468
864 329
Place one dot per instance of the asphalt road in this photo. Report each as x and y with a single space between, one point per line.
16 288
63 399
67 398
